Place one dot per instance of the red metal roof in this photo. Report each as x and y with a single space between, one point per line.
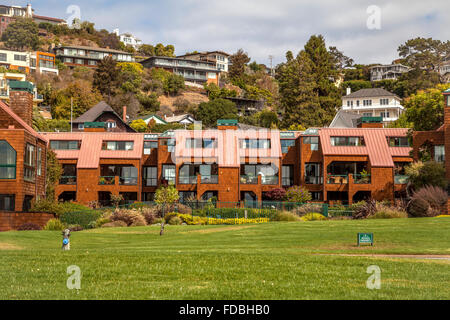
376 146
91 151
25 126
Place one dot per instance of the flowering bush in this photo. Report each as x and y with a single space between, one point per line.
215 221
313 217
298 194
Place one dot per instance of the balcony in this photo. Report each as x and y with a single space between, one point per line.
107 180
211 179
337 179
313 180
245 179
68 180
187 180
401 179
361 178
128 181
269 180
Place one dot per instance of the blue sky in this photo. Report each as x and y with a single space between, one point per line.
264 27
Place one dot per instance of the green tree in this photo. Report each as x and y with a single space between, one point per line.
53 174
21 34
307 91
429 173
166 197
139 125
426 108
267 118
210 112
173 84
236 71
424 53
149 103
106 76
130 76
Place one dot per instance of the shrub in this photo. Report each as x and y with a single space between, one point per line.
313 217
46 206
54 225
28 226
75 227
114 224
298 194
81 218
365 210
418 207
308 208
138 222
101 221
150 214
169 216
276 194
389 213
428 173
130 217
175 220
286 216
434 197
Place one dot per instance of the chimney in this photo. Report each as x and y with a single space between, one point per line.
446 94
29 11
21 99
124 114
349 90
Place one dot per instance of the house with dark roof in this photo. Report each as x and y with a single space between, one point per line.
373 102
73 56
101 117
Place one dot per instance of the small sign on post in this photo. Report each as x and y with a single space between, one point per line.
365 238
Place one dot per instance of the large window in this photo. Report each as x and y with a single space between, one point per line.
268 172
255 144
7 202
287 176
29 163
286 145
7 161
439 153
170 143
398 141
3 57
384 102
168 173
20 57
117 145
313 173
128 175
149 145
150 176
347 141
206 143
39 162
65 144
313 141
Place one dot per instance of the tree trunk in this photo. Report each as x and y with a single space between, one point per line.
161 232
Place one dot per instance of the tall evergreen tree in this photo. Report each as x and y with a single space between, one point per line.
307 91
106 77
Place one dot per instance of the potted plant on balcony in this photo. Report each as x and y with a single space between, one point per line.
102 180
364 177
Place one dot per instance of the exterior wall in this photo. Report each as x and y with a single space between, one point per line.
11 221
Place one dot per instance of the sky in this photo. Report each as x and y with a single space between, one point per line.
265 27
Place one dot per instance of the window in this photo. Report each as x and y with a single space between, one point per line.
118 145
168 173
287 175
384 102
110 124
367 102
439 153
150 176
286 145
29 163
128 175
347 141
255 144
349 103
39 162
79 61
92 62
207 143
357 103
3 57
149 145
7 161
313 173
316 196
68 60
398 141
268 172
367 114
7 202
170 143
65 144
313 141
20 57
384 114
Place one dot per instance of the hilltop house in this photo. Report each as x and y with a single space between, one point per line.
387 72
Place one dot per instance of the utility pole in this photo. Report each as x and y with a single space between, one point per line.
71 106
271 64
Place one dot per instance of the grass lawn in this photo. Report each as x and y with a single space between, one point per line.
296 260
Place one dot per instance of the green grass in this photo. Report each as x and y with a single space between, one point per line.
293 260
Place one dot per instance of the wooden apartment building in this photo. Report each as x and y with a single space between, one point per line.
336 165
